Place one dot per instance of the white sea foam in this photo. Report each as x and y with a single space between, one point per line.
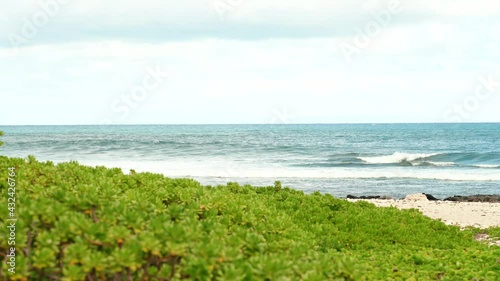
441 164
397 157
236 172
487 166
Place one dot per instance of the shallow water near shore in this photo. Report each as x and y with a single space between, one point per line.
358 159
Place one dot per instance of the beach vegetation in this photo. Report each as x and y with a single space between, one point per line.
94 223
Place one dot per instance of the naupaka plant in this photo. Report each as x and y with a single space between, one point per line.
93 223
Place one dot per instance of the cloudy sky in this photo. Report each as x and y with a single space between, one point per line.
249 61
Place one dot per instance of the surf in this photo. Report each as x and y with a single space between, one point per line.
397 157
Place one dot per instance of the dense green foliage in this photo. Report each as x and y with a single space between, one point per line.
1 134
85 223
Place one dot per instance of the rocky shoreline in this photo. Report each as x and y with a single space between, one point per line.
485 198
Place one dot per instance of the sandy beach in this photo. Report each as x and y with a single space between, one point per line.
482 215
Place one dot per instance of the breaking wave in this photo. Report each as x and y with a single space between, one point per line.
397 157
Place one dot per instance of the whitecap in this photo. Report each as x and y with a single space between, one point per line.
441 164
396 157
491 166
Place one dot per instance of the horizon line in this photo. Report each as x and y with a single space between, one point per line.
252 124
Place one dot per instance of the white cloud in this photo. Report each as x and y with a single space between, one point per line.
175 20
428 57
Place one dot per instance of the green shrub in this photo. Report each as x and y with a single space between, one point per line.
93 223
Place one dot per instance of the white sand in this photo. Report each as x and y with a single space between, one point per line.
482 215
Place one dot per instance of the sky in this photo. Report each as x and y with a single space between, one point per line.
68 62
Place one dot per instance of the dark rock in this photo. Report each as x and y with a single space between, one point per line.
362 197
475 198
430 197
368 197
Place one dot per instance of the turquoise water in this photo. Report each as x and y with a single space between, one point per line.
361 159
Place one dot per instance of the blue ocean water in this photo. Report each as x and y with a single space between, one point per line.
340 159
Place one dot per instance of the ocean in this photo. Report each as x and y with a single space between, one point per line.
339 159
